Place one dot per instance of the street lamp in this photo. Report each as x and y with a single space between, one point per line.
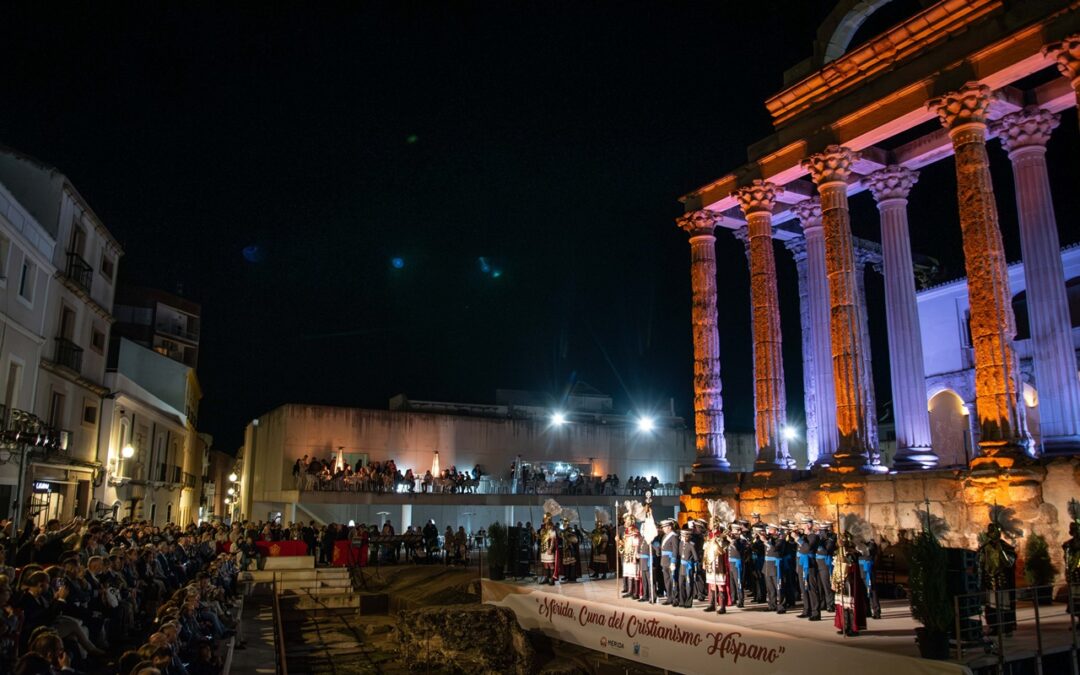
233 477
127 452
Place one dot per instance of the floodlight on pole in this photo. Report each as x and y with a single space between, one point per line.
646 423
558 418
790 433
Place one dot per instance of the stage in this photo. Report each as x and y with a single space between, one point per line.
751 640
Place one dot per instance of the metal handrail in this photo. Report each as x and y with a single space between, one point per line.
279 632
79 271
1005 603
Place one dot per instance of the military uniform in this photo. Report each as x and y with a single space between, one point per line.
809 583
697 536
688 567
737 548
774 550
867 557
826 549
669 558
757 564
646 588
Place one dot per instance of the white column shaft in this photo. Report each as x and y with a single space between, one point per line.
817 282
1047 302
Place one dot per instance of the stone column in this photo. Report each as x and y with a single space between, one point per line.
770 407
997 377
1024 136
863 257
1067 55
797 246
708 403
817 286
890 187
830 170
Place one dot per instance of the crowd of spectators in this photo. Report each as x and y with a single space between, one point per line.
115 597
311 473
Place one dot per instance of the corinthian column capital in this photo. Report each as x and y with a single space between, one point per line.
1067 55
757 197
892 182
967 105
700 222
808 211
797 246
832 165
1030 127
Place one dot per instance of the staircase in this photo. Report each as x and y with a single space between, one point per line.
302 586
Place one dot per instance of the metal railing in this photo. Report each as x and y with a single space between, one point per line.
79 271
279 634
174 330
68 354
984 619
485 485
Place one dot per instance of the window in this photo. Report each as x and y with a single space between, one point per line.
97 340
5 248
108 267
26 281
56 410
11 388
89 415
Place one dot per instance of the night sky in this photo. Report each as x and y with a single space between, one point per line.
437 199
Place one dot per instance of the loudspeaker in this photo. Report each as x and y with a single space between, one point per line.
520 543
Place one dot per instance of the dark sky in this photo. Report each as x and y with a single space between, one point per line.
275 162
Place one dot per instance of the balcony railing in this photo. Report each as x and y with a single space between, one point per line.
68 354
175 330
189 480
79 271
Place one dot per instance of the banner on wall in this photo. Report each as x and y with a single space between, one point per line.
685 644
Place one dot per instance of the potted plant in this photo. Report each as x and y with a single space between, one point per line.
497 551
930 602
1038 569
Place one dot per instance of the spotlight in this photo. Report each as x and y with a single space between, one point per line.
233 477
230 492
789 433
127 452
558 418
646 424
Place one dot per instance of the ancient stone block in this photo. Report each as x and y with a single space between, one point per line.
469 639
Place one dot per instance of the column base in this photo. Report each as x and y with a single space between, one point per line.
915 459
711 464
1060 446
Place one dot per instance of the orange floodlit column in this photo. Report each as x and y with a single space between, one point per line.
1067 54
1001 422
708 403
830 170
890 187
770 407
1024 136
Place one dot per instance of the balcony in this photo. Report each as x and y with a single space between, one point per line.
79 271
68 354
189 480
175 330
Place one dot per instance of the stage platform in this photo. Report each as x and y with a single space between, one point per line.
751 640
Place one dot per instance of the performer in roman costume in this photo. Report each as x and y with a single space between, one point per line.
628 550
548 541
599 538
715 557
849 590
997 570
570 567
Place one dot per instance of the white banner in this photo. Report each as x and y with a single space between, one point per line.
685 644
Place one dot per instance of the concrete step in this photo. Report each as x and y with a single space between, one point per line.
306 603
301 584
289 562
266 576
317 590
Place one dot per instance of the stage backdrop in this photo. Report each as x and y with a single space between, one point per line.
685 644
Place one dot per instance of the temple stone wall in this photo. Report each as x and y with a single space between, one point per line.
1039 495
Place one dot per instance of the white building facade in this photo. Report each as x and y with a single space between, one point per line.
944 314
